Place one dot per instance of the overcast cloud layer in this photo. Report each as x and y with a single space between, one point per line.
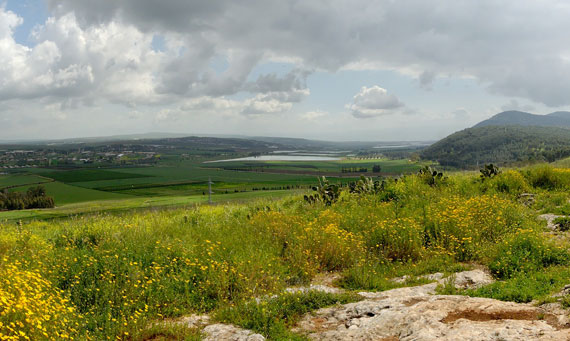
178 60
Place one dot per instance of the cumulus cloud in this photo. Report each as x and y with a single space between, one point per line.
77 63
507 45
261 104
292 81
374 101
97 53
109 62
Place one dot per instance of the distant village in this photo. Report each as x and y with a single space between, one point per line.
62 157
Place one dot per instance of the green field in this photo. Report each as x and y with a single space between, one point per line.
20 180
64 194
178 182
388 167
183 178
80 175
133 203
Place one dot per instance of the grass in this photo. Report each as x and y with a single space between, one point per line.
64 194
274 316
20 180
82 175
133 203
115 275
377 276
168 332
526 287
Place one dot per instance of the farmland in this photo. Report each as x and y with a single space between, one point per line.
387 167
21 180
181 168
185 179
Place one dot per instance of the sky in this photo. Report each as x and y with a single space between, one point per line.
381 70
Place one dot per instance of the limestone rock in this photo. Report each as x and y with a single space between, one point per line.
472 279
549 217
227 332
193 321
416 313
315 287
432 277
433 317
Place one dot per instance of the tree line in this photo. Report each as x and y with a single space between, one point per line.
34 197
375 169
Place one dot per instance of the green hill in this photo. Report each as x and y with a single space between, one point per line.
511 118
500 144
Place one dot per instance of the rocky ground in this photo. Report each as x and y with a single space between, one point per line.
417 313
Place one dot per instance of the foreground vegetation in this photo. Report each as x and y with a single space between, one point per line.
107 276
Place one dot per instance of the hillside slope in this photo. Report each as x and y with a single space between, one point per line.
511 118
500 144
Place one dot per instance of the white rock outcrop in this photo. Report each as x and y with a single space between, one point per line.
227 332
416 313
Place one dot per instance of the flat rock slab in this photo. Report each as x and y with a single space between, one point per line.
314 287
228 332
416 313
433 317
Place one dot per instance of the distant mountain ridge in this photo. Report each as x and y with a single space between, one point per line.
510 137
521 118
503 145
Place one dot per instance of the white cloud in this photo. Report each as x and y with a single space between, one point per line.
508 45
261 104
314 115
374 101
91 55
169 115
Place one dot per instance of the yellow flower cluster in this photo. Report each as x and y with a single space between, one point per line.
31 309
461 225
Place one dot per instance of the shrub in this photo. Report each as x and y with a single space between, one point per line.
366 185
525 252
467 228
511 181
489 171
325 192
544 177
431 177
399 239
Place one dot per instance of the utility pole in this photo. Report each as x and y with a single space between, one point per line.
210 190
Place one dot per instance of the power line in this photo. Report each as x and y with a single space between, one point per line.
210 190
